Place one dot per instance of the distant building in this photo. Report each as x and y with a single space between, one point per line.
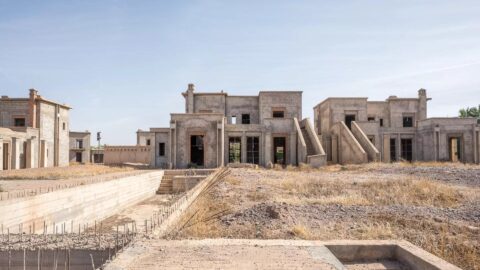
96 154
79 147
355 130
218 129
33 132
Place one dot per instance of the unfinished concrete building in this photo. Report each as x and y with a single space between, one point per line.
79 146
355 130
218 129
33 132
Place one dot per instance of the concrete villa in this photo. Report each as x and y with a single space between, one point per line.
218 129
33 132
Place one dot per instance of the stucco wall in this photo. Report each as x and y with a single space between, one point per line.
81 204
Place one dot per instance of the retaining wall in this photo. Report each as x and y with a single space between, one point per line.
73 208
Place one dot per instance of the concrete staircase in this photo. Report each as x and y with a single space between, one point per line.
166 185
310 149
308 142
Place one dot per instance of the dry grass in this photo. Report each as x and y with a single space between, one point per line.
201 219
351 185
404 191
54 173
301 232
411 192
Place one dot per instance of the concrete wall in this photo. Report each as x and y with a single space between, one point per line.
291 102
162 161
12 108
47 133
238 105
372 152
115 155
80 204
212 102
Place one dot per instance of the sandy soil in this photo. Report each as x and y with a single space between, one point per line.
441 212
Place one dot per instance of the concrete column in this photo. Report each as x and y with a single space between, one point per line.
386 148
1 155
335 157
268 148
293 148
435 145
476 145
243 155
15 154
29 154
43 154
398 148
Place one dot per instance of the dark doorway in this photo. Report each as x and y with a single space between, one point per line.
279 150
97 158
393 150
253 150
407 149
5 156
349 118
78 157
196 150
454 149
234 150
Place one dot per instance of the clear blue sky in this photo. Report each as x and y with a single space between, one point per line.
122 65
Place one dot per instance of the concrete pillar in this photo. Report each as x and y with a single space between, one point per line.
1 155
189 99
15 165
292 148
436 143
243 149
335 157
398 149
386 148
268 147
43 154
476 146
29 154
422 104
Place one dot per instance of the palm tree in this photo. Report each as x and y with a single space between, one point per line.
470 112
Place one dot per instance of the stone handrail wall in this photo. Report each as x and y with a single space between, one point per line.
372 152
78 205
301 145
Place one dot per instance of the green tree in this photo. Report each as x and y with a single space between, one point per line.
470 112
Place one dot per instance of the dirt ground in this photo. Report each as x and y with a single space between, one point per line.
432 205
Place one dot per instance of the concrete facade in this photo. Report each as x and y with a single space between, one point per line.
217 129
355 130
79 147
33 132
